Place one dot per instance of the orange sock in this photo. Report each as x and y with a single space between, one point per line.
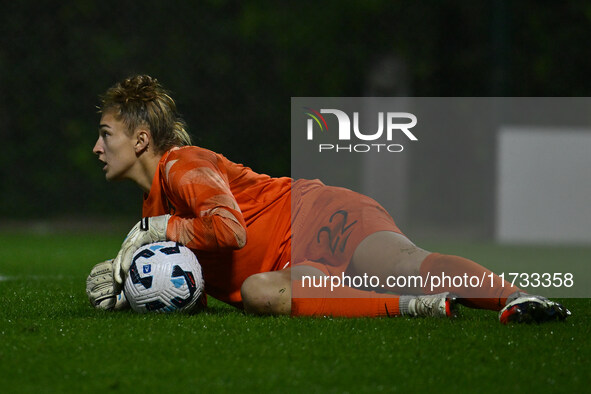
491 295
342 302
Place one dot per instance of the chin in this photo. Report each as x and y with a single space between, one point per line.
118 176
110 176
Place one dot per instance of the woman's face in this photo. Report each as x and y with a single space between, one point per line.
115 147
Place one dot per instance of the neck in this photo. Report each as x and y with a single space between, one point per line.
146 168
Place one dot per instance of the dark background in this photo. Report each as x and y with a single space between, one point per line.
233 67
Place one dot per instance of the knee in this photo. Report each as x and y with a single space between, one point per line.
386 253
267 293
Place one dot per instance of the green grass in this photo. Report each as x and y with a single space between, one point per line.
51 340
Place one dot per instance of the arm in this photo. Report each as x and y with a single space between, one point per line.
210 218
208 215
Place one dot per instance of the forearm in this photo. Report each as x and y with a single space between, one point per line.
220 229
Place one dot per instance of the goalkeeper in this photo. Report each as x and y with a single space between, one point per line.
256 236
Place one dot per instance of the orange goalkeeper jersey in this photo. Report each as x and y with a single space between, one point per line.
236 221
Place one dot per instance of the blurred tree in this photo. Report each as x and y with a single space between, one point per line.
233 67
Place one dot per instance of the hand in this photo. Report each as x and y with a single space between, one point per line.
101 287
147 230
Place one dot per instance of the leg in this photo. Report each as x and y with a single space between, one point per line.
267 293
386 253
353 233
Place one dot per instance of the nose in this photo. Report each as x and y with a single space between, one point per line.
98 147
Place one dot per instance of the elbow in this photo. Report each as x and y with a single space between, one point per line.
233 237
240 237
231 233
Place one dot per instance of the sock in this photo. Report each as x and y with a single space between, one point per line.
342 302
491 295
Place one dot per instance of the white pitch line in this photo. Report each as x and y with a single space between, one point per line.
33 277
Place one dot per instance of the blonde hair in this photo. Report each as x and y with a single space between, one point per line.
141 101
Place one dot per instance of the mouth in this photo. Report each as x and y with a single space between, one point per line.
104 163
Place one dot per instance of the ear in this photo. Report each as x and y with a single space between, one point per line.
142 141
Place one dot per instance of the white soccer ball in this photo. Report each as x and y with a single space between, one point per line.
165 277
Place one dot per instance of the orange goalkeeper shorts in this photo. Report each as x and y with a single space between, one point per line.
328 223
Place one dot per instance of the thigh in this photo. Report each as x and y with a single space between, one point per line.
386 253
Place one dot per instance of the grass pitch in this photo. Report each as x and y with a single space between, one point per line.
51 340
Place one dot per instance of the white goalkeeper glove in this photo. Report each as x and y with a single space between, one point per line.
101 288
146 231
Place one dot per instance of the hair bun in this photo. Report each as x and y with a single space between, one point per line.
141 87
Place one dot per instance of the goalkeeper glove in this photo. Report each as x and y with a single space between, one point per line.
101 288
146 231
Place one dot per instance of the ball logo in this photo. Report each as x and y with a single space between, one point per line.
178 282
147 268
389 123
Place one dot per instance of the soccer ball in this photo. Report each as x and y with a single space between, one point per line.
165 277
